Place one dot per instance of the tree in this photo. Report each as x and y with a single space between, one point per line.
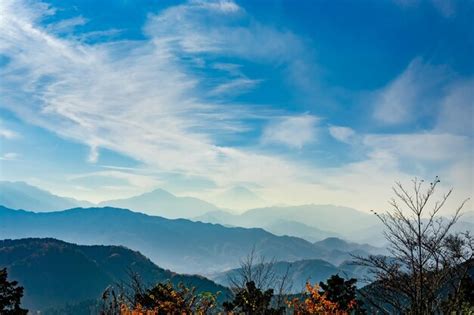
464 302
254 301
315 302
336 296
342 292
111 303
427 260
164 298
10 296
161 299
254 286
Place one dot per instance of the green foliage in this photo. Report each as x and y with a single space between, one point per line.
252 300
10 296
342 292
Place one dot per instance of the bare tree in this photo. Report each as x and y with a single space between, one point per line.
261 271
426 260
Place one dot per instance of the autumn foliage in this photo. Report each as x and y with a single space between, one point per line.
316 302
163 298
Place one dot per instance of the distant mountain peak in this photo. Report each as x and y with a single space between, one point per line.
242 191
161 192
239 197
21 195
333 241
163 203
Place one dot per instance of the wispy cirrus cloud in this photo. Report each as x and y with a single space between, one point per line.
420 147
137 97
153 100
413 94
456 114
236 86
66 26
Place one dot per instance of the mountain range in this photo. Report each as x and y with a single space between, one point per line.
20 195
162 203
310 222
310 241
55 273
181 245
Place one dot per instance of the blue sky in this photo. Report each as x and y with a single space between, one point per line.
300 102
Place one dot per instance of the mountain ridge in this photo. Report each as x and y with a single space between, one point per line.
298 273
178 244
21 195
54 272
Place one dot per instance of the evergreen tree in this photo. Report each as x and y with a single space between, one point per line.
252 300
342 292
10 296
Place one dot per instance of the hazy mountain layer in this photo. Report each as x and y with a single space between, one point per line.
20 195
180 245
239 198
311 222
337 251
317 222
299 272
162 203
333 249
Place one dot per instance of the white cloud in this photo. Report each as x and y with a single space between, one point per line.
8 134
67 25
457 109
138 98
107 185
134 179
421 146
10 156
93 154
221 5
236 86
292 131
413 94
426 155
196 29
366 184
343 134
